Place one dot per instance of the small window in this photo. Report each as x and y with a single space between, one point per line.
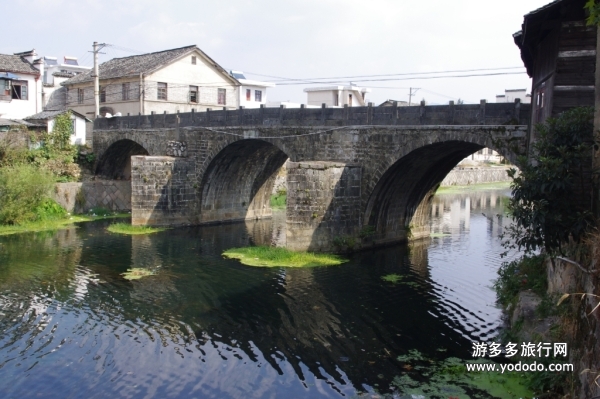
102 94
193 60
7 87
221 97
193 94
162 91
80 96
125 91
18 90
349 100
258 95
248 95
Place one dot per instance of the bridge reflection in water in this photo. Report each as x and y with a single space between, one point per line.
204 326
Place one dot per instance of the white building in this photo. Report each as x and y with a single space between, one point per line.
54 95
79 121
253 93
173 80
20 85
337 96
509 96
69 66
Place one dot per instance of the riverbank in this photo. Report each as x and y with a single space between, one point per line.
56 224
473 187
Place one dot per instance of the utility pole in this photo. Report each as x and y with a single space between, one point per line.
410 94
97 47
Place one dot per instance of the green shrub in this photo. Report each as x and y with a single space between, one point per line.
23 189
49 210
526 273
548 203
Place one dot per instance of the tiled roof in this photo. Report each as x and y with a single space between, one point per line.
16 122
134 65
17 64
63 74
46 115
544 7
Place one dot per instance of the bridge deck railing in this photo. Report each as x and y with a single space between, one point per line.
460 114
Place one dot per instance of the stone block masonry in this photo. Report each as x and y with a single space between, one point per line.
113 195
160 191
467 176
323 204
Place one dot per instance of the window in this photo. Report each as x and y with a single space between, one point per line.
193 60
80 96
248 95
162 91
16 89
6 88
258 95
349 100
540 102
221 97
125 91
102 94
193 94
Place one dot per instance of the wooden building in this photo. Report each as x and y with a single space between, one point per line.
559 52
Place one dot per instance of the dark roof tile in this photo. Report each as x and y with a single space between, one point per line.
133 65
17 64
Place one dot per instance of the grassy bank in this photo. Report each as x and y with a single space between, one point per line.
55 224
126 228
281 257
473 187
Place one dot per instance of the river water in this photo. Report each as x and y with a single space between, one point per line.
205 327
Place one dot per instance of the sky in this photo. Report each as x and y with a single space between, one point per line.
291 39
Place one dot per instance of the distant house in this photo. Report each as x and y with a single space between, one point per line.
511 95
69 67
54 95
390 103
559 52
337 96
253 93
46 119
20 85
173 80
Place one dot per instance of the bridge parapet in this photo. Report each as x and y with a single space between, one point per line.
461 114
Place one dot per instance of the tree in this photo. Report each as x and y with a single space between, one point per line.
593 9
549 205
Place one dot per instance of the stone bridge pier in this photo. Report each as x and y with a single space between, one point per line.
352 183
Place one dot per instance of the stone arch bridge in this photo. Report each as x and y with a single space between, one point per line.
360 176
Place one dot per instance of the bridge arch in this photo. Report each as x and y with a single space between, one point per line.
115 161
238 181
398 205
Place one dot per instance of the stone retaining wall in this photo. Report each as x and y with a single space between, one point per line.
114 195
465 177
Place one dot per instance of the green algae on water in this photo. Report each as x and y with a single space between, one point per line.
449 378
137 273
263 256
125 228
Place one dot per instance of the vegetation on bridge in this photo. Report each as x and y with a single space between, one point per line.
280 257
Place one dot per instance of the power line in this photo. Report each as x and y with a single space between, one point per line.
383 75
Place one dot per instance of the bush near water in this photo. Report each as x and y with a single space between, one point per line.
30 164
